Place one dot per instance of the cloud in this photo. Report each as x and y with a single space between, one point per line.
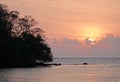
65 47
72 42
110 40
109 46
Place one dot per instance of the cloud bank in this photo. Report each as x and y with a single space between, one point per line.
109 46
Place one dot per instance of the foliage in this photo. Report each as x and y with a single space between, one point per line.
21 41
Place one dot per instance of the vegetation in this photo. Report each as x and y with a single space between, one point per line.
22 43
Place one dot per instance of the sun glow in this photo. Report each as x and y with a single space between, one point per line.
92 42
90 39
91 32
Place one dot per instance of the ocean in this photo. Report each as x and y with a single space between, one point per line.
71 70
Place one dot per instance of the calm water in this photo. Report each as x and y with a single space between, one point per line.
72 70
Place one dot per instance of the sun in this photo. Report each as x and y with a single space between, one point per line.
91 41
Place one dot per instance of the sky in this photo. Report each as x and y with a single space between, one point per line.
84 28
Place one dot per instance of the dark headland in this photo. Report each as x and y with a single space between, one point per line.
22 42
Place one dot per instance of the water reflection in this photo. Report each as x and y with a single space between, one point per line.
64 73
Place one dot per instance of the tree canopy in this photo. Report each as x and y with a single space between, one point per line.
22 42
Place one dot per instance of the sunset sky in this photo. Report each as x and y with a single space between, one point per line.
84 28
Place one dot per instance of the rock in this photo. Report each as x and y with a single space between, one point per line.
85 63
44 64
57 64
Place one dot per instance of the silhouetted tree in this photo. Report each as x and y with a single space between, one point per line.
21 42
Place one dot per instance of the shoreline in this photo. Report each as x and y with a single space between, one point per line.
37 64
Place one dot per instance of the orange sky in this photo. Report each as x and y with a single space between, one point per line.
72 19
